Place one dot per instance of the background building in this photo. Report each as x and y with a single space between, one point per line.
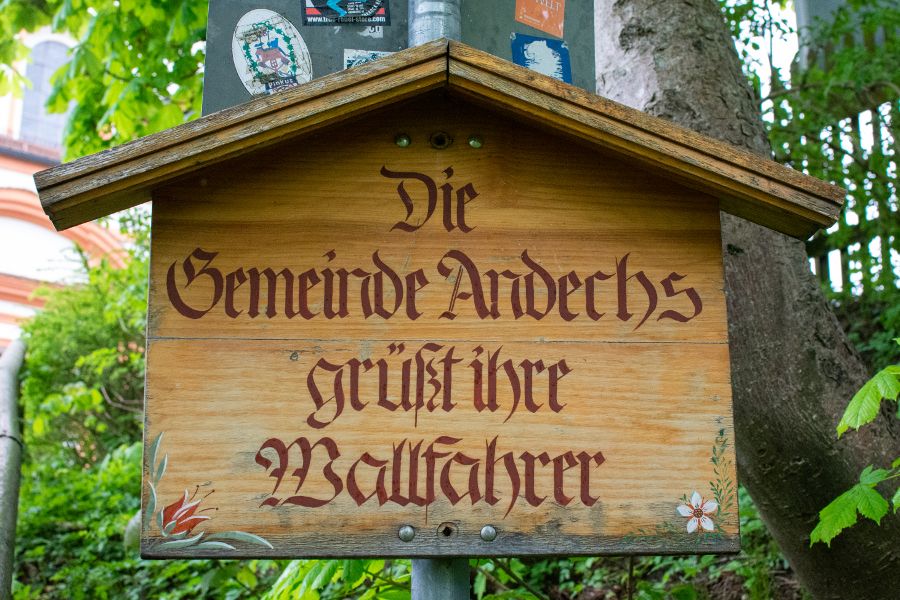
32 253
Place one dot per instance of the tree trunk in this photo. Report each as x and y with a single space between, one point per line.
793 370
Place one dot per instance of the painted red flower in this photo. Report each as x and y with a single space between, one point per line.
179 516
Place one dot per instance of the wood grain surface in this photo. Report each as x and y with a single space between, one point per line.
606 414
747 185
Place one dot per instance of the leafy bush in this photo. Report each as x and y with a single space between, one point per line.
83 379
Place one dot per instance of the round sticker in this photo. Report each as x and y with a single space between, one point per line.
269 54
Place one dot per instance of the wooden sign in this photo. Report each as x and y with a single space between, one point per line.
357 348
437 305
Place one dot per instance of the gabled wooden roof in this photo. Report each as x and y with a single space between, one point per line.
749 186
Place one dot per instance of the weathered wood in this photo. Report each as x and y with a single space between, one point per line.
226 389
759 190
115 179
751 187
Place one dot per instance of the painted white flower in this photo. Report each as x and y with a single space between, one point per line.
698 512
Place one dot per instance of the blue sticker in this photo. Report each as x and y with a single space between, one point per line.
544 55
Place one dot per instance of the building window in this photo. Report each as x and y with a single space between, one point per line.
39 127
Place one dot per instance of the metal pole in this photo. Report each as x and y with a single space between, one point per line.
440 579
437 578
10 460
430 20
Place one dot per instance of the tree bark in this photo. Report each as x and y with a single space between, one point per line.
793 370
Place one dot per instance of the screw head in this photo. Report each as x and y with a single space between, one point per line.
476 141
440 140
406 533
403 140
488 533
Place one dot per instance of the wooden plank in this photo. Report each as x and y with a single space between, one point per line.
765 200
460 54
622 210
218 402
247 112
749 186
593 454
122 177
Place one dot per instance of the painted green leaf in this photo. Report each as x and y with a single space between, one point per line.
241 536
174 544
863 408
162 469
214 546
154 450
170 526
151 505
871 504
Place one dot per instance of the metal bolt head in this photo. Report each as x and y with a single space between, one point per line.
475 141
488 533
406 533
403 140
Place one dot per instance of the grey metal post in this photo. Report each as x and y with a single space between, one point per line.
10 460
440 579
430 20
437 578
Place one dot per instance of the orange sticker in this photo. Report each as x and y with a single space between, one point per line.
546 15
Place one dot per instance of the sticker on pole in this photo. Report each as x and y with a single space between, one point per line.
354 58
269 54
546 15
550 57
346 12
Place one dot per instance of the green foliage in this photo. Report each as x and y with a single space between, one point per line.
334 579
82 390
70 540
834 114
136 68
837 119
864 406
862 498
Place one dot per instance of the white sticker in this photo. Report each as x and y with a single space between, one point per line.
353 58
372 31
269 54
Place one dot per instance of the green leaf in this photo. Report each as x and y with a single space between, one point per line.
834 518
325 575
241 536
353 571
872 477
871 504
896 500
841 513
863 408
